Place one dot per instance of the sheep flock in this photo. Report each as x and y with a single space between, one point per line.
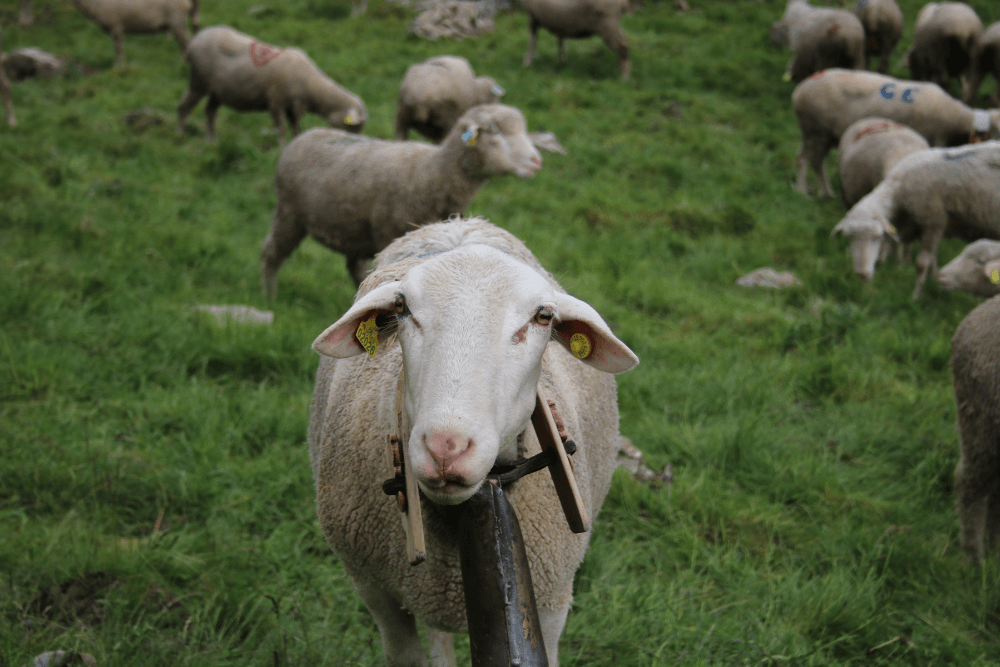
456 322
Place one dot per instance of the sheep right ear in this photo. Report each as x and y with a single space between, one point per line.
357 331
992 271
839 229
889 230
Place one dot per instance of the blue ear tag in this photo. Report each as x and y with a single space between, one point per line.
469 137
498 91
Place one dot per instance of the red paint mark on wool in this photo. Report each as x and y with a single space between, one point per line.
261 53
877 129
833 29
818 74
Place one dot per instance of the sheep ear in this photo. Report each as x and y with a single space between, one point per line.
582 331
839 229
353 117
889 230
356 331
498 91
470 135
992 271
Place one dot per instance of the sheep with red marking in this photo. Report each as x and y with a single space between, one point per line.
944 39
868 149
820 37
129 17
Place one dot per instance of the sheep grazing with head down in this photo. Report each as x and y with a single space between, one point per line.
985 60
135 17
8 104
435 93
236 70
868 149
975 367
829 101
356 194
883 23
928 195
573 19
944 39
819 37
478 325
976 269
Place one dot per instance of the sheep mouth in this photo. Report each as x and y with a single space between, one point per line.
449 492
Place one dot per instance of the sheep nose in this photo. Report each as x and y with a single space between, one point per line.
537 161
446 447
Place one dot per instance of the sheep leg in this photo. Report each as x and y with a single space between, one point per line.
402 124
552 618
278 115
614 37
7 103
532 40
359 268
294 112
883 63
118 36
211 110
196 16
927 257
398 628
188 102
180 33
812 152
285 236
992 546
27 16
562 48
442 648
972 510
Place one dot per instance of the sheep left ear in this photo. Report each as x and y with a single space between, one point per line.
839 229
356 331
992 271
889 229
470 135
581 330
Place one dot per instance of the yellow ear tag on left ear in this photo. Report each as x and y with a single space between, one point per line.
579 345
367 335
995 276
349 120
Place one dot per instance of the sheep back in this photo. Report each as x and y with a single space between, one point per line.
944 39
869 148
826 38
435 93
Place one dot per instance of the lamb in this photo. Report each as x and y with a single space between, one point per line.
435 93
356 194
121 17
575 19
883 23
868 149
976 269
928 195
236 70
975 366
8 104
829 101
820 37
469 314
943 41
985 60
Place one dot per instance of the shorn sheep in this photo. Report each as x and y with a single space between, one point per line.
819 37
868 149
975 367
928 195
477 325
976 269
883 23
829 101
434 94
944 39
356 194
121 17
573 19
8 104
985 60
237 70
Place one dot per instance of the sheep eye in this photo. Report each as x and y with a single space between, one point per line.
400 305
543 316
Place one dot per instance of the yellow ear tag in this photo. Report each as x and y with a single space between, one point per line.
470 136
349 120
579 345
995 276
367 335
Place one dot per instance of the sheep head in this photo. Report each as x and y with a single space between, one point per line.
870 234
473 324
496 140
352 119
976 269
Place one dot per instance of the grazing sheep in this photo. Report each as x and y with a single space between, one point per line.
121 17
943 42
928 195
435 93
356 194
868 149
985 60
975 366
8 105
976 269
477 324
828 102
236 70
579 18
27 16
819 37
883 23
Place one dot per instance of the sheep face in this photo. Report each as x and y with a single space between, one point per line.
497 136
871 237
976 269
352 120
473 324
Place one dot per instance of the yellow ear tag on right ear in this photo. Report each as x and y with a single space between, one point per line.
367 335
579 345
995 276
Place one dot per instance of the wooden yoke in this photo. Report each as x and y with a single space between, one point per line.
409 500
561 469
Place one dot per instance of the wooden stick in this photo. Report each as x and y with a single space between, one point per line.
561 470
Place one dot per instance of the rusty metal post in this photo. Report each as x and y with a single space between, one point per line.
499 600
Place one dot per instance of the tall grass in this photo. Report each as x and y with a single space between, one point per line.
156 502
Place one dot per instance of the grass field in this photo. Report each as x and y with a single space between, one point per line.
156 502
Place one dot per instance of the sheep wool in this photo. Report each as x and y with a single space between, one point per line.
883 24
976 269
975 367
819 37
573 19
126 17
944 40
985 61
868 149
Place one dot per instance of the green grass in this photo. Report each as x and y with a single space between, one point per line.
156 502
